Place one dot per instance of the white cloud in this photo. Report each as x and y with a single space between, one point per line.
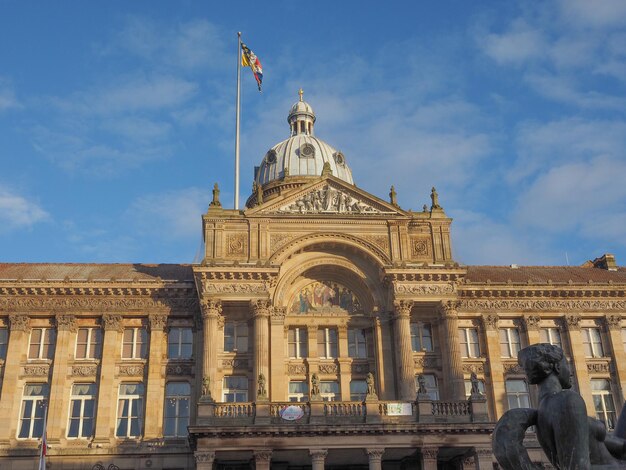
593 14
8 99
517 45
17 212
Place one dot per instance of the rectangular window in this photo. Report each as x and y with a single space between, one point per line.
329 391
177 410
468 387
592 342
327 343
88 343
32 411
298 390
130 410
235 337
82 411
468 337
430 382
603 402
421 337
358 390
509 342
517 393
179 343
4 342
41 343
357 344
135 345
552 336
235 388
298 343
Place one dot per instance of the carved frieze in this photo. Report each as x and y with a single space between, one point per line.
425 362
237 288
131 370
236 244
80 302
19 322
234 363
112 322
85 370
328 368
598 367
476 367
401 288
381 241
541 305
179 369
65 322
512 368
296 369
36 370
420 247
279 239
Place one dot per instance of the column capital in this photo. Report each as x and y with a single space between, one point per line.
375 453
211 308
112 322
157 321
318 454
531 322
402 308
613 322
262 455
572 321
490 321
278 314
260 307
430 453
65 322
204 456
448 309
19 322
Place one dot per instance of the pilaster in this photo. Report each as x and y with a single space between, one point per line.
404 351
156 378
452 363
614 330
572 325
211 315
204 459
483 459
429 458
531 326
496 370
277 386
261 313
262 459
345 374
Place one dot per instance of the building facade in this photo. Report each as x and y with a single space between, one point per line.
324 328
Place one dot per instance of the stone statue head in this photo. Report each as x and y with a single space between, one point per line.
543 359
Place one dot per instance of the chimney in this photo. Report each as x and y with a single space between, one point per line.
606 261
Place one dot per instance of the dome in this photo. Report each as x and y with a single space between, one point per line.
302 154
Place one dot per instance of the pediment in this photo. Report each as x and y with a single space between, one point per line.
330 196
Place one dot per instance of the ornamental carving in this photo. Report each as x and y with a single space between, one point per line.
402 307
204 456
420 247
260 307
278 314
65 322
296 369
19 322
158 321
531 322
430 453
360 368
38 370
211 307
178 369
328 368
490 321
112 322
448 309
279 239
375 454
237 288
80 302
476 367
512 368
328 200
598 367
613 322
263 455
423 289
381 241
235 363
572 321
542 305
236 244
425 362
131 370
85 370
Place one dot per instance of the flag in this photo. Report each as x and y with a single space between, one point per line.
249 59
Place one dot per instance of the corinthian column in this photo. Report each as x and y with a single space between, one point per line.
261 314
406 372
452 364
211 314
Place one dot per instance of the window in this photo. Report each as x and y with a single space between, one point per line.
298 343
235 337
298 391
552 336
357 344
358 390
468 387
32 412
468 337
82 410
179 343
4 341
135 345
130 410
327 343
592 341
517 393
509 342
41 343
176 416
603 402
88 343
421 337
430 382
235 388
329 391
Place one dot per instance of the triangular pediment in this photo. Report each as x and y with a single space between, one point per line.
328 196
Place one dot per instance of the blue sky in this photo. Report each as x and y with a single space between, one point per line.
117 117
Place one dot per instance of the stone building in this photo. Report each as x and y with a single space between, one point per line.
324 328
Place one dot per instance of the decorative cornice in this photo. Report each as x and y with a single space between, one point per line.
112 322
65 322
19 322
95 303
423 290
541 305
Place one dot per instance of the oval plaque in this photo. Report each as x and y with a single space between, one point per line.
291 413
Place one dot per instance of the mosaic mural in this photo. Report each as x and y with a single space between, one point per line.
324 294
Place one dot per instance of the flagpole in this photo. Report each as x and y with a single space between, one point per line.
238 106
44 441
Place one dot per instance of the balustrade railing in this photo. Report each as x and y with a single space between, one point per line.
234 410
344 408
451 408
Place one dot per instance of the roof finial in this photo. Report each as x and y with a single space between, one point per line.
301 93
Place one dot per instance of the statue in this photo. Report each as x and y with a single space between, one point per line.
569 438
474 391
261 391
216 197
434 197
206 387
371 389
258 190
421 385
315 385
393 196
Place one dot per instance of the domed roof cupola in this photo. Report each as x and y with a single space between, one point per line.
299 158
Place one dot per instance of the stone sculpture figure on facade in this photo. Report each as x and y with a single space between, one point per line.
570 439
